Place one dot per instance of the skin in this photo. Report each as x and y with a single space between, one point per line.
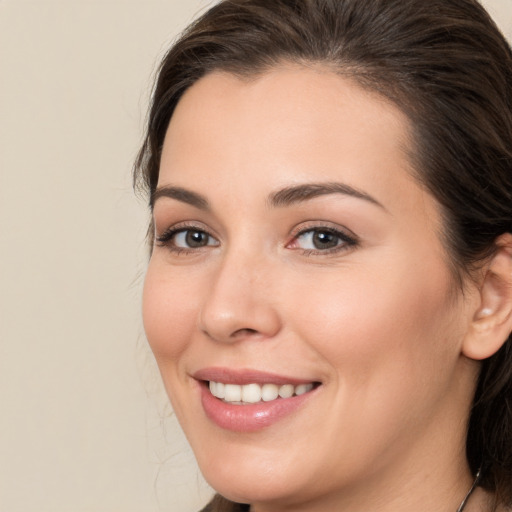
378 322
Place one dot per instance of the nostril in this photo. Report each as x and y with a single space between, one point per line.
244 332
234 336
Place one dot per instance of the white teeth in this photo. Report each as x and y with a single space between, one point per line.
232 393
303 388
286 391
215 391
251 393
254 393
269 392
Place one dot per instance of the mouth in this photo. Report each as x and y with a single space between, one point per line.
248 401
253 393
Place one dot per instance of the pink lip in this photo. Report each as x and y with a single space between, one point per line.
251 417
246 376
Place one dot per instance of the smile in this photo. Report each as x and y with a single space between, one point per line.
253 393
248 400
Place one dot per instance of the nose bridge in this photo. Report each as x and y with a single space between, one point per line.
238 303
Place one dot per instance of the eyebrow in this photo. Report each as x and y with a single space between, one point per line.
180 194
299 193
282 198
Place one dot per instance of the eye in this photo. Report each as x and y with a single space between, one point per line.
192 239
322 240
180 239
318 240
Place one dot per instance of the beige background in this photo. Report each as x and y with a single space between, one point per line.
83 423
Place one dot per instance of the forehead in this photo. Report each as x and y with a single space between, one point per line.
286 125
301 99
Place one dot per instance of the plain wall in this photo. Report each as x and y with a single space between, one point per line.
84 425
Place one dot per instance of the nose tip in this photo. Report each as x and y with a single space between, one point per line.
233 322
238 307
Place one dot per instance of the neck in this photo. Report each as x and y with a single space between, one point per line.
436 484
481 501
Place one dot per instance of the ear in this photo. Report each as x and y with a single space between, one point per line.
492 322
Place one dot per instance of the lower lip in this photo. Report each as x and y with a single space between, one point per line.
251 417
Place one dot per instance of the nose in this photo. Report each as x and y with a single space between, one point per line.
239 303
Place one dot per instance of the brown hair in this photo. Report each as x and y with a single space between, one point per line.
447 66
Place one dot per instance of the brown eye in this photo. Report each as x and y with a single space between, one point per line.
324 240
196 238
319 239
192 239
183 239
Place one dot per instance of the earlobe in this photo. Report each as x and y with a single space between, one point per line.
492 322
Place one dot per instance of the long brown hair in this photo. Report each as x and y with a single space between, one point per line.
448 67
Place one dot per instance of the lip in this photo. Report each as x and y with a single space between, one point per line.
250 417
246 376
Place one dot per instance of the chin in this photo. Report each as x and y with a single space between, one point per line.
249 479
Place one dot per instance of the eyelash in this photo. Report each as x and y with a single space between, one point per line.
345 241
166 238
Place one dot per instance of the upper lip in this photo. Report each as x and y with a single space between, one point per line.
246 376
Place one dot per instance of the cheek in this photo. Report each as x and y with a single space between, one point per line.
368 321
391 348
168 313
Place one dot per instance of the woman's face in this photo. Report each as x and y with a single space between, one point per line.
295 254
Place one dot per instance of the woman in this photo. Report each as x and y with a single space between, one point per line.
329 295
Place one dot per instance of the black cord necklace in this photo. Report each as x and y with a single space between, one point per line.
462 506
